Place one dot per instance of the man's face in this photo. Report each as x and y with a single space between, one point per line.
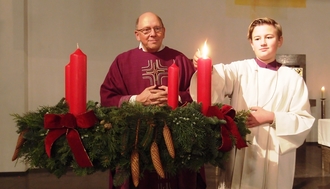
265 42
150 32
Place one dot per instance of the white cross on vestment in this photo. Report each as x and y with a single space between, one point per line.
154 72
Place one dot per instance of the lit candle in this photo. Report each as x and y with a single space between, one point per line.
204 70
322 92
173 86
77 82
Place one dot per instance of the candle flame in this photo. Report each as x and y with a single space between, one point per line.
322 89
205 50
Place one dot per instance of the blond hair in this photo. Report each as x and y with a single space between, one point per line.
262 21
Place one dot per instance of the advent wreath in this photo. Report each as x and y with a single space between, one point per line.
132 138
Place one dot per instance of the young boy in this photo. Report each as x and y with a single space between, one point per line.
277 98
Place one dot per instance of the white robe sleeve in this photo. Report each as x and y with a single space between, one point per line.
217 83
292 127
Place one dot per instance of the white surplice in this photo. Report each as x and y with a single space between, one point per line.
269 161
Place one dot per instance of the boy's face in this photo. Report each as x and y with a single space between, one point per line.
265 42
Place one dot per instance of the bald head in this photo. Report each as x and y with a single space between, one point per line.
147 15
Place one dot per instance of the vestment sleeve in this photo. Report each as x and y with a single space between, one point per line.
113 87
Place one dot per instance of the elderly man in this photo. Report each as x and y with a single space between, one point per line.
140 75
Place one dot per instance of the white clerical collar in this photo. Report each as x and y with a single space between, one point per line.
141 47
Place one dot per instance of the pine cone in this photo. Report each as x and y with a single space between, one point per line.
108 125
168 141
135 169
154 151
19 144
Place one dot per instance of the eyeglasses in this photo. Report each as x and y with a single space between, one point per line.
147 30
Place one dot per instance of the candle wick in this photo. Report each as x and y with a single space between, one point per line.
77 46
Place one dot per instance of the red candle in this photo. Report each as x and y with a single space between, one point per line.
77 82
204 70
173 86
67 83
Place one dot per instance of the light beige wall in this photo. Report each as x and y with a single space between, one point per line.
13 78
101 28
105 28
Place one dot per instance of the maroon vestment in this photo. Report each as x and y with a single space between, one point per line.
133 71
129 74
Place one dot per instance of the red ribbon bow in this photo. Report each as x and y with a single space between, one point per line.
227 113
66 123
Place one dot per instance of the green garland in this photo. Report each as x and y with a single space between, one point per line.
109 143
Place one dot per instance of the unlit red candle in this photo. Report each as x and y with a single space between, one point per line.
67 83
76 82
173 86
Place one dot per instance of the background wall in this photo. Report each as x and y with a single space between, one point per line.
13 78
37 38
